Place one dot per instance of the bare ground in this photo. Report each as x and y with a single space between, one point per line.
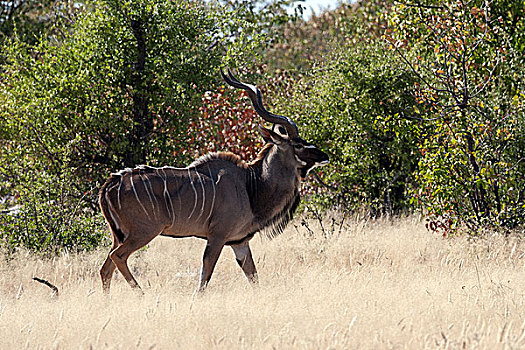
377 285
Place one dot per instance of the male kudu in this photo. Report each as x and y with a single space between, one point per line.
218 197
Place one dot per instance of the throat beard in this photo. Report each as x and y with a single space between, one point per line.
276 225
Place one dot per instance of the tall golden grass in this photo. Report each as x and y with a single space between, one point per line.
364 285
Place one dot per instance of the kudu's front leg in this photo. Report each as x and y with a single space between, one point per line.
211 255
243 254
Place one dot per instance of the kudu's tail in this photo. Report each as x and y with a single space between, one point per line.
108 209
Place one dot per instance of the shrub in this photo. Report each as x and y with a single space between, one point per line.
120 86
350 108
468 67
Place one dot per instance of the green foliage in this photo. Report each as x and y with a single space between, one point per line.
350 104
29 18
101 96
434 123
350 110
469 70
50 216
118 88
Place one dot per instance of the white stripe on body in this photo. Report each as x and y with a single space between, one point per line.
118 192
167 196
214 191
149 195
178 196
111 210
203 195
137 196
195 191
153 193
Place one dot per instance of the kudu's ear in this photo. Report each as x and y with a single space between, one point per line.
269 136
279 129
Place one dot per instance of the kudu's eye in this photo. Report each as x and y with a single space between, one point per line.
298 146
281 130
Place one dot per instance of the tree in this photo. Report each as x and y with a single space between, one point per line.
346 94
303 44
29 19
117 88
468 61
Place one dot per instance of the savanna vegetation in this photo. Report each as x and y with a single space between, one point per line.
420 105
355 285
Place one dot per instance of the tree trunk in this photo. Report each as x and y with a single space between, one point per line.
142 120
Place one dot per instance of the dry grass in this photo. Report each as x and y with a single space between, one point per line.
368 286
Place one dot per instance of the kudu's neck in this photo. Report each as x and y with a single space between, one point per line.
274 168
273 182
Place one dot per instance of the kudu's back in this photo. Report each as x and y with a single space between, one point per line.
180 202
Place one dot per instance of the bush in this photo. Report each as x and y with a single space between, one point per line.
120 86
50 216
350 108
469 74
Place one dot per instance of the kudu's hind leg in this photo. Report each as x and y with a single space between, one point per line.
106 272
211 255
121 254
243 255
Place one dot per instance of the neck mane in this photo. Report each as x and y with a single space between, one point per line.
233 158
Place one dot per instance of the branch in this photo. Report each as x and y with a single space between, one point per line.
419 76
464 60
38 137
403 115
421 6
331 188
489 79
483 36
54 288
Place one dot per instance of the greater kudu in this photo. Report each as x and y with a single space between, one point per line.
218 197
